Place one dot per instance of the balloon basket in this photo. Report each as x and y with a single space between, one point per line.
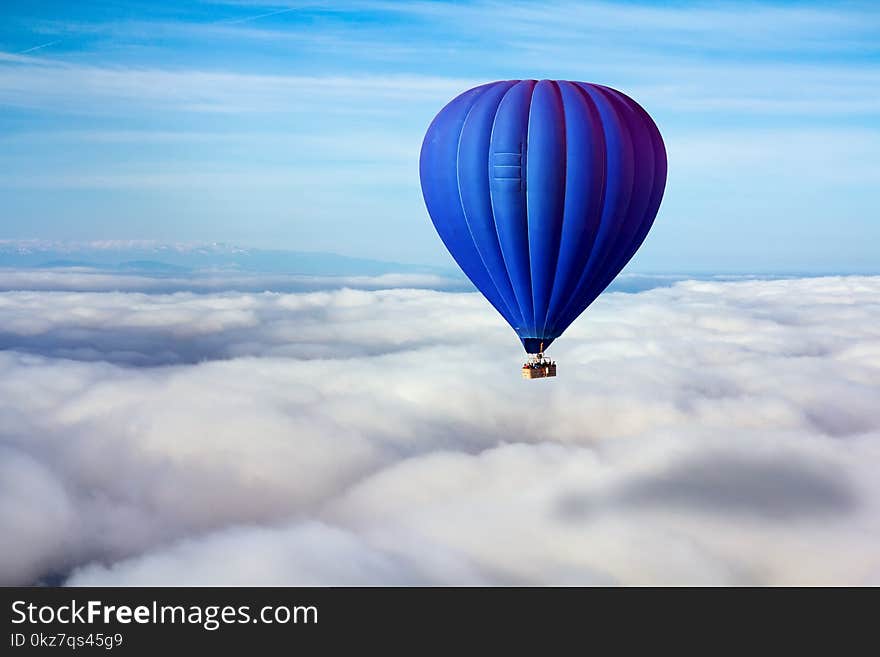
538 367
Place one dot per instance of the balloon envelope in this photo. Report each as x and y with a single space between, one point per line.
542 191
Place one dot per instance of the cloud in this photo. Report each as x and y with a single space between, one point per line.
307 554
246 19
143 320
765 28
792 61
788 88
85 279
734 484
39 47
140 329
709 432
35 83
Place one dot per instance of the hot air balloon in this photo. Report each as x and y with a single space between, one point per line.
542 191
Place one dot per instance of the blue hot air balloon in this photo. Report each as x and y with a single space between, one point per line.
542 191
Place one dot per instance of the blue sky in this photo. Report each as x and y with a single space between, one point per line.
298 125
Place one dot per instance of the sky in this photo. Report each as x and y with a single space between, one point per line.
298 125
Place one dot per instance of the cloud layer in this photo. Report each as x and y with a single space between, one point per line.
705 433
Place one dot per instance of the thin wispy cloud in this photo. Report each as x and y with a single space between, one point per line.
39 47
624 26
72 88
247 19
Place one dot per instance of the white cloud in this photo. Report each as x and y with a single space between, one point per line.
708 432
790 60
142 329
797 89
717 26
85 279
31 82
302 554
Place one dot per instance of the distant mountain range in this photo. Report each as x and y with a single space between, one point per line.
159 258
